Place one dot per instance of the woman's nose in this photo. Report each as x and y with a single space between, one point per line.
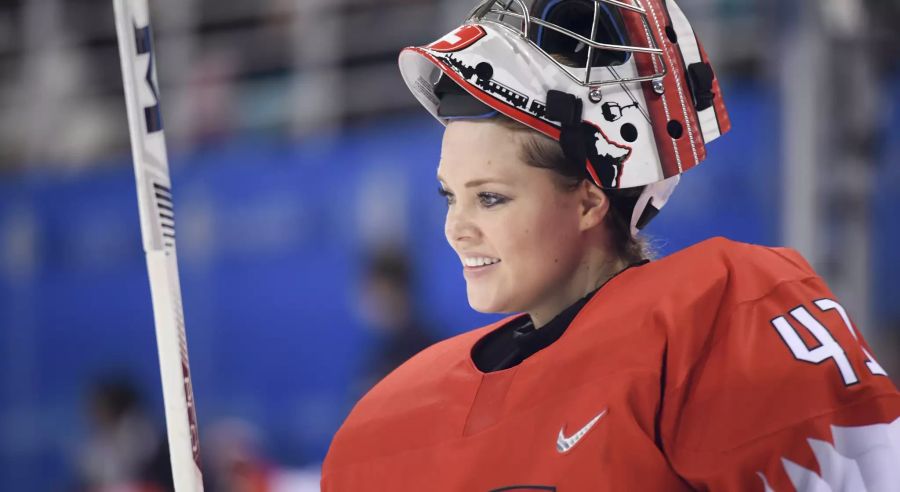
459 225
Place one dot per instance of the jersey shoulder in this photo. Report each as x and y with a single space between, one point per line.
717 293
762 365
740 256
748 270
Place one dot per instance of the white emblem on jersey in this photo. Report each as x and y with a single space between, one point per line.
564 444
862 459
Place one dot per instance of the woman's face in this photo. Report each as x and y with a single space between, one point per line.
516 231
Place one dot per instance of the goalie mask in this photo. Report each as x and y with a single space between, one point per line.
624 86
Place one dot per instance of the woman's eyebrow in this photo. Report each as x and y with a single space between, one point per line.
479 182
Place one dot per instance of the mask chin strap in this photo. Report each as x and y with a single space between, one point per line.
566 109
578 140
651 201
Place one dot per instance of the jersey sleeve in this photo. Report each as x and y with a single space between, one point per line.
783 394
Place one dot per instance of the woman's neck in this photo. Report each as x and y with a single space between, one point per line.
588 277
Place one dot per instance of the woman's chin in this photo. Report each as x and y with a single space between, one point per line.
482 309
483 305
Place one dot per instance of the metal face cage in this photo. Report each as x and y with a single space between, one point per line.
515 15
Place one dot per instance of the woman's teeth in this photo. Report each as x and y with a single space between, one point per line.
479 261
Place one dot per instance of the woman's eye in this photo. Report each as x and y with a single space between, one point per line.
446 194
491 199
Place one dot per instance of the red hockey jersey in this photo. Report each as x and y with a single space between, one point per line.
725 366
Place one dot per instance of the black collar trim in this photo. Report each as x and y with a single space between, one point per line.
517 340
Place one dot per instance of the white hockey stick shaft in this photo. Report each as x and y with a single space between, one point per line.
151 170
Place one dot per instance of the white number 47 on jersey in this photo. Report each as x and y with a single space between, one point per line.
828 347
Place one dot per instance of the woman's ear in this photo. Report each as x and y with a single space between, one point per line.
594 205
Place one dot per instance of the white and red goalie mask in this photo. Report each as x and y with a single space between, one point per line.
624 86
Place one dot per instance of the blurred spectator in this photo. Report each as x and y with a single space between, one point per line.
124 452
236 462
388 307
234 459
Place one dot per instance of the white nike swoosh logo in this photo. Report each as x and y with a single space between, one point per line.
565 444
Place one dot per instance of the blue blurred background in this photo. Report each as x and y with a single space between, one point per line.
298 159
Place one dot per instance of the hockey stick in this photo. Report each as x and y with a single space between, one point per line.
151 171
